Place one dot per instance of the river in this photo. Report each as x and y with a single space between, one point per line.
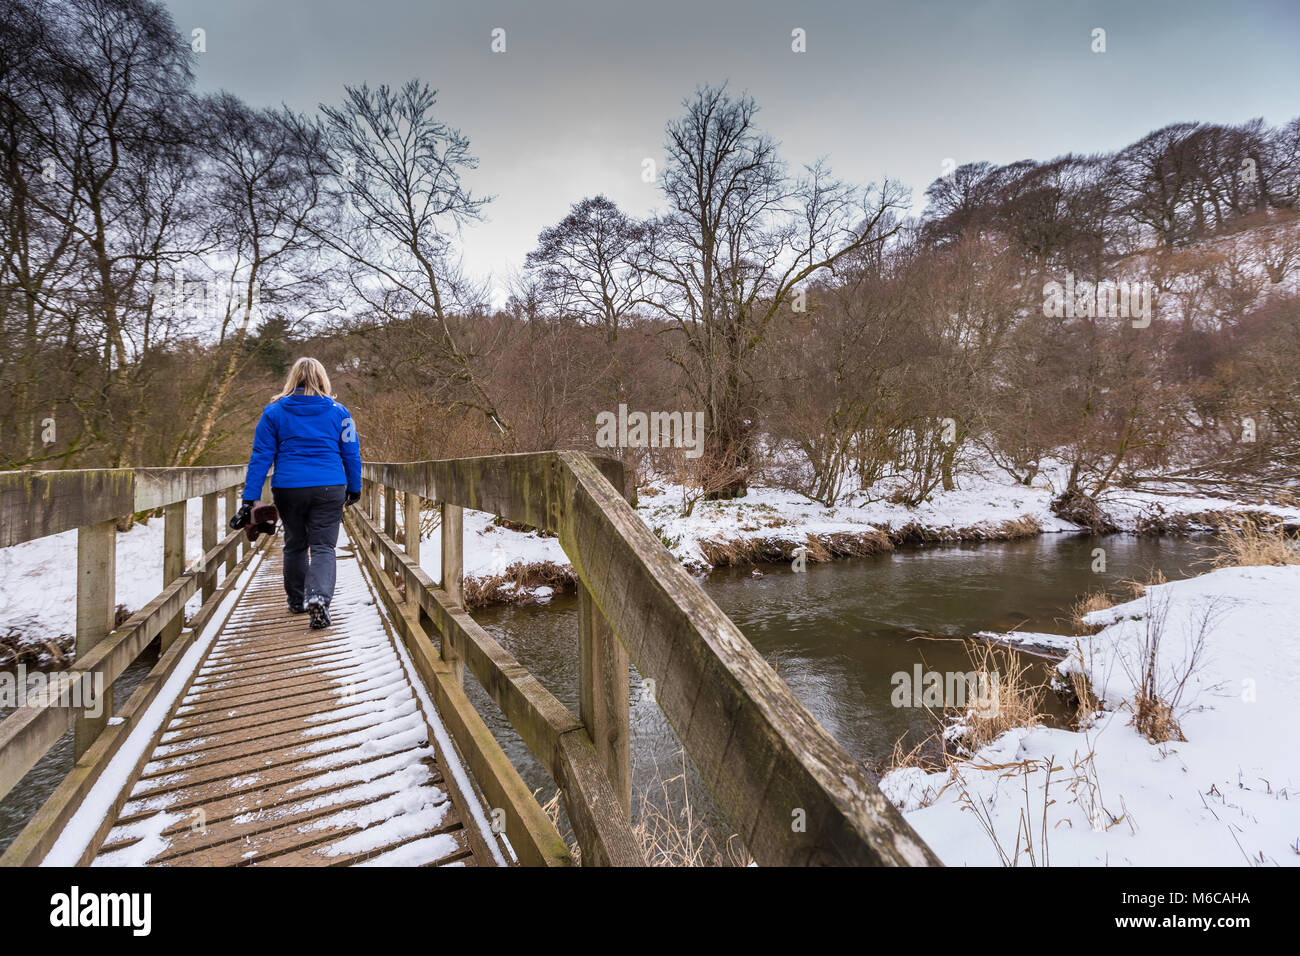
839 632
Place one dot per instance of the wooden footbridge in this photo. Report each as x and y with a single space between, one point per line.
255 741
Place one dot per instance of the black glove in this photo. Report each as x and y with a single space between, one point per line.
241 517
353 497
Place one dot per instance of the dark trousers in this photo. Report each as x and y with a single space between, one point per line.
310 517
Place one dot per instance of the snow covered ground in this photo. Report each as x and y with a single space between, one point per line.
978 508
38 578
1227 795
489 550
981 507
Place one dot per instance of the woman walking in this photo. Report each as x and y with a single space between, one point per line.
312 442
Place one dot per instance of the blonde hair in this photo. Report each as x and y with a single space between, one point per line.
309 375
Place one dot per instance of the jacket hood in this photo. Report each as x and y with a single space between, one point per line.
307 404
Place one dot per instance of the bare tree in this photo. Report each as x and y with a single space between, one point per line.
400 201
39 261
267 174
738 237
110 104
591 266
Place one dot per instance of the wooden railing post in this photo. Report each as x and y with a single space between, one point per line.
232 505
96 613
173 561
390 525
603 703
209 541
453 573
453 555
411 504
369 497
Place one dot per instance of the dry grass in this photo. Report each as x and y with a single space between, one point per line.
668 829
1082 697
672 834
552 809
1252 544
1137 589
55 653
1031 847
1026 526
739 552
513 586
1160 690
1096 601
929 754
1017 700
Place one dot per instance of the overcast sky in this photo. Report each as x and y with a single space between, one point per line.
582 93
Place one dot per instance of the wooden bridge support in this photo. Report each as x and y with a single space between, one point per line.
603 703
96 613
173 560
411 505
390 524
209 539
453 575
232 505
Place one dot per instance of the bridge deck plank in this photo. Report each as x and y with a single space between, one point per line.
294 747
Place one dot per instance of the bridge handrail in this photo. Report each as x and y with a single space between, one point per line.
36 504
792 793
794 796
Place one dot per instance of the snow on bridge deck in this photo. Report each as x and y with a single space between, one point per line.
297 747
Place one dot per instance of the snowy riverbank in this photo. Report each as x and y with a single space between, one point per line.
1229 794
38 578
769 523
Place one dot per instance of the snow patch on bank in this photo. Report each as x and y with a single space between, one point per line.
1228 795
983 507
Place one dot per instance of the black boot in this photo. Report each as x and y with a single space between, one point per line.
295 607
320 616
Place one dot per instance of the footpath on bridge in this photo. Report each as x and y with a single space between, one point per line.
300 748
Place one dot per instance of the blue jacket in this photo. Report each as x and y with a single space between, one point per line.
310 439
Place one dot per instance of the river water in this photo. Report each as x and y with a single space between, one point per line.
836 635
838 632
